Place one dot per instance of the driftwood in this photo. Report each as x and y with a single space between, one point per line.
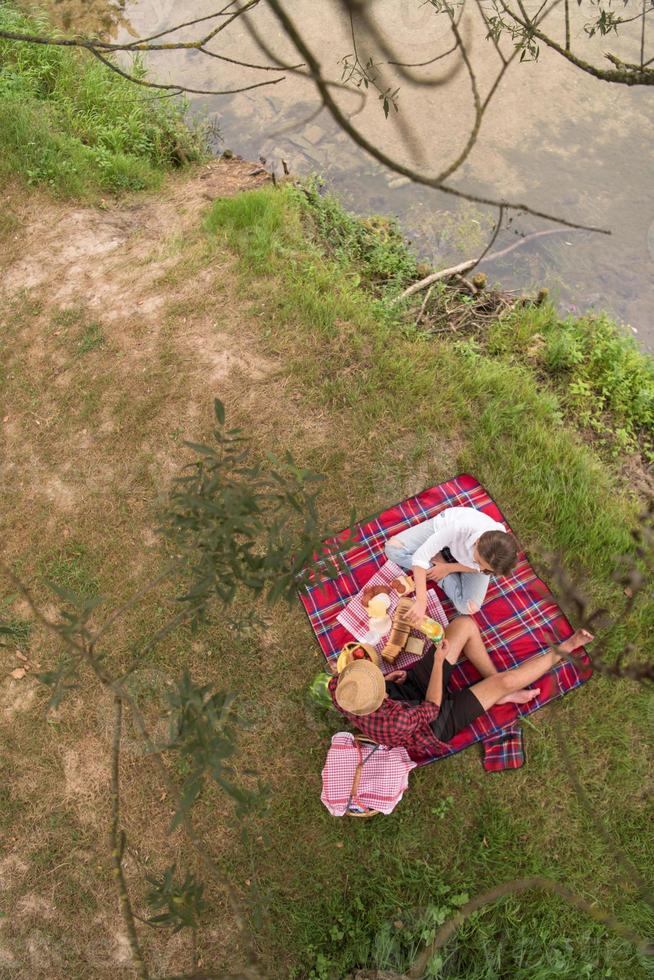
471 263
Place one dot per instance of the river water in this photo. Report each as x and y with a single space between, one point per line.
553 137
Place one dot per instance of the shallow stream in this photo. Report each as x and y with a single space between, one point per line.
553 137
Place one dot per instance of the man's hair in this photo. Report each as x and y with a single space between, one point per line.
500 550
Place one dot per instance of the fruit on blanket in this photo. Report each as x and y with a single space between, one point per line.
347 654
319 692
359 654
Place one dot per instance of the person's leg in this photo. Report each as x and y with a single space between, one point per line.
501 687
473 647
465 590
469 642
457 633
402 547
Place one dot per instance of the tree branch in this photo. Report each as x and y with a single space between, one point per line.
471 263
534 883
435 182
181 88
623 74
117 838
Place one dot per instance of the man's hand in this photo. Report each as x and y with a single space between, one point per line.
416 613
399 676
442 650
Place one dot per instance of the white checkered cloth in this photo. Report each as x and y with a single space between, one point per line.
354 617
384 776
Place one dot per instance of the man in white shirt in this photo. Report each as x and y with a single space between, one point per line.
459 549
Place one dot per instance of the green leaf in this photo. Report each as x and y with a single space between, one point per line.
219 409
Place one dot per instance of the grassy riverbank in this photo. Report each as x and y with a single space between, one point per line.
280 304
406 410
73 125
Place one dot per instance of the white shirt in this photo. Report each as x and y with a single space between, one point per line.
459 529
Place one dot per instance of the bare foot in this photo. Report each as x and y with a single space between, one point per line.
520 697
578 639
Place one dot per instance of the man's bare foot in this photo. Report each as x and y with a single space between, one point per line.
520 697
578 639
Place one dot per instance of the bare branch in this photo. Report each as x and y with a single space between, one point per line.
224 12
400 168
178 87
642 36
118 846
243 64
471 263
516 887
221 27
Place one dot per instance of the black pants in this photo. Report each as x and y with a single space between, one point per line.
458 708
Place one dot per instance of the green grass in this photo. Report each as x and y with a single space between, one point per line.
332 896
69 567
90 339
72 125
598 371
16 630
399 395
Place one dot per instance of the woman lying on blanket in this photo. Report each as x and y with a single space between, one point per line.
415 708
459 549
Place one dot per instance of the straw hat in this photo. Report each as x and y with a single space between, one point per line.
361 688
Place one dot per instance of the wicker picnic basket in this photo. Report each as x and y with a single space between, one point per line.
364 811
346 656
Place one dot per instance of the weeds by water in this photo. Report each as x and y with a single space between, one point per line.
72 125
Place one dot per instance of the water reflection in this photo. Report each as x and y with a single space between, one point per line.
553 136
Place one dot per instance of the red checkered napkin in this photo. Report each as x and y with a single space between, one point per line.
384 775
354 617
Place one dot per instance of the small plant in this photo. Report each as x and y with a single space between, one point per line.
14 630
374 245
442 807
91 338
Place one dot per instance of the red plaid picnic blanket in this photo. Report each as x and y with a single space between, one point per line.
517 619
504 750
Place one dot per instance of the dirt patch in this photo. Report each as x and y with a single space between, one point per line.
123 324
12 869
110 256
16 696
86 778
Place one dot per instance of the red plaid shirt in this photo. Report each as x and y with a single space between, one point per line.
397 723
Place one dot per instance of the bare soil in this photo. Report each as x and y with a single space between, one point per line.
119 330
